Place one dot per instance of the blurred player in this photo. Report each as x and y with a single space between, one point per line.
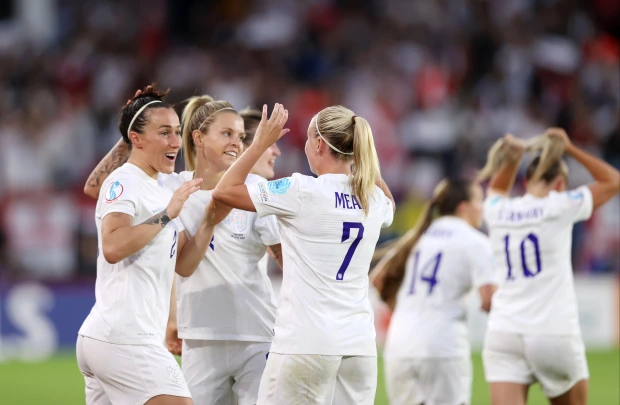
226 308
436 264
533 331
120 347
324 348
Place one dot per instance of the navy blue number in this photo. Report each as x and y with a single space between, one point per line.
211 243
431 279
526 270
346 233
174 243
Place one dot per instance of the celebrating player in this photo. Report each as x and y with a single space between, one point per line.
226 309
324 347
427 274
120 345
533 331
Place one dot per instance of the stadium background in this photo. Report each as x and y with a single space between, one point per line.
439 81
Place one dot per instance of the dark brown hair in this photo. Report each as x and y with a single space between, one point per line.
251 119
149 93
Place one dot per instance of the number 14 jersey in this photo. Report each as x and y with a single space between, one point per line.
327 246
531 239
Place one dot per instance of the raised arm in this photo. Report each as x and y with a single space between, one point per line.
606 177
113 160
512 150
120 239
231 189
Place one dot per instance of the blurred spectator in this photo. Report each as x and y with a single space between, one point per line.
439 81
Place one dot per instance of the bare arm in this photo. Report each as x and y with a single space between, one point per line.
502 181
276 253
113 160
192 250
120 239
231 189
173 343
486 292
606 177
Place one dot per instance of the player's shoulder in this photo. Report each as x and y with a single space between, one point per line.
475 236
254 178
174 180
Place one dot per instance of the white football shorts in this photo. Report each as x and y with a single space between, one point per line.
312 379
127 374
224 372
557 362
428 381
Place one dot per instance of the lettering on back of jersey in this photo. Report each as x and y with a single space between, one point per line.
519 216
346 201
114 192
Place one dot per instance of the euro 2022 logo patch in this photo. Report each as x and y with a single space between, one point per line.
114 192
280 186
575 196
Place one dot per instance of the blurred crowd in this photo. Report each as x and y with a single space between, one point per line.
439 81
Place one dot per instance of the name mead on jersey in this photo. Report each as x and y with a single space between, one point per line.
346 201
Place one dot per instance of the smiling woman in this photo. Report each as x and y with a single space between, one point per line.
119 348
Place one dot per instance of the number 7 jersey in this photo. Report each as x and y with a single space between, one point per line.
327 246
531 239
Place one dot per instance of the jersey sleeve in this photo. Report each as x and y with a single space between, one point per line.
491 207
388 212
574 205
121 195
268 231
279 197
482 262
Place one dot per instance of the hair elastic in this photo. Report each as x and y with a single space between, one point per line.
325 140
214 112
138 113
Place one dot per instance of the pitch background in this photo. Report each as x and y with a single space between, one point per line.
58 381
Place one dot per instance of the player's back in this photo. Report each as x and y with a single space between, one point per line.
327 243
429 320
531 239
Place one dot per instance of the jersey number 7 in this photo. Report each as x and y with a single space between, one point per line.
346 233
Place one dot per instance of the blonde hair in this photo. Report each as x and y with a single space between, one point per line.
551 149
447 197
199 113
350 138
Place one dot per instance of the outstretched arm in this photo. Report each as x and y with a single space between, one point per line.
231 189
113 160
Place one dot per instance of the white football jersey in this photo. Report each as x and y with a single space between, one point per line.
430 318
531 239
229 296
133 295
327 245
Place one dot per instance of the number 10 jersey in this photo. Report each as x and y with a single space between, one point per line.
531 239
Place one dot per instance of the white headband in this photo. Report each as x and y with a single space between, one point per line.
138 113
221 109
325 140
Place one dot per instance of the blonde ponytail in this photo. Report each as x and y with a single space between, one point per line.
551 148
350 139
198 114
365 170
